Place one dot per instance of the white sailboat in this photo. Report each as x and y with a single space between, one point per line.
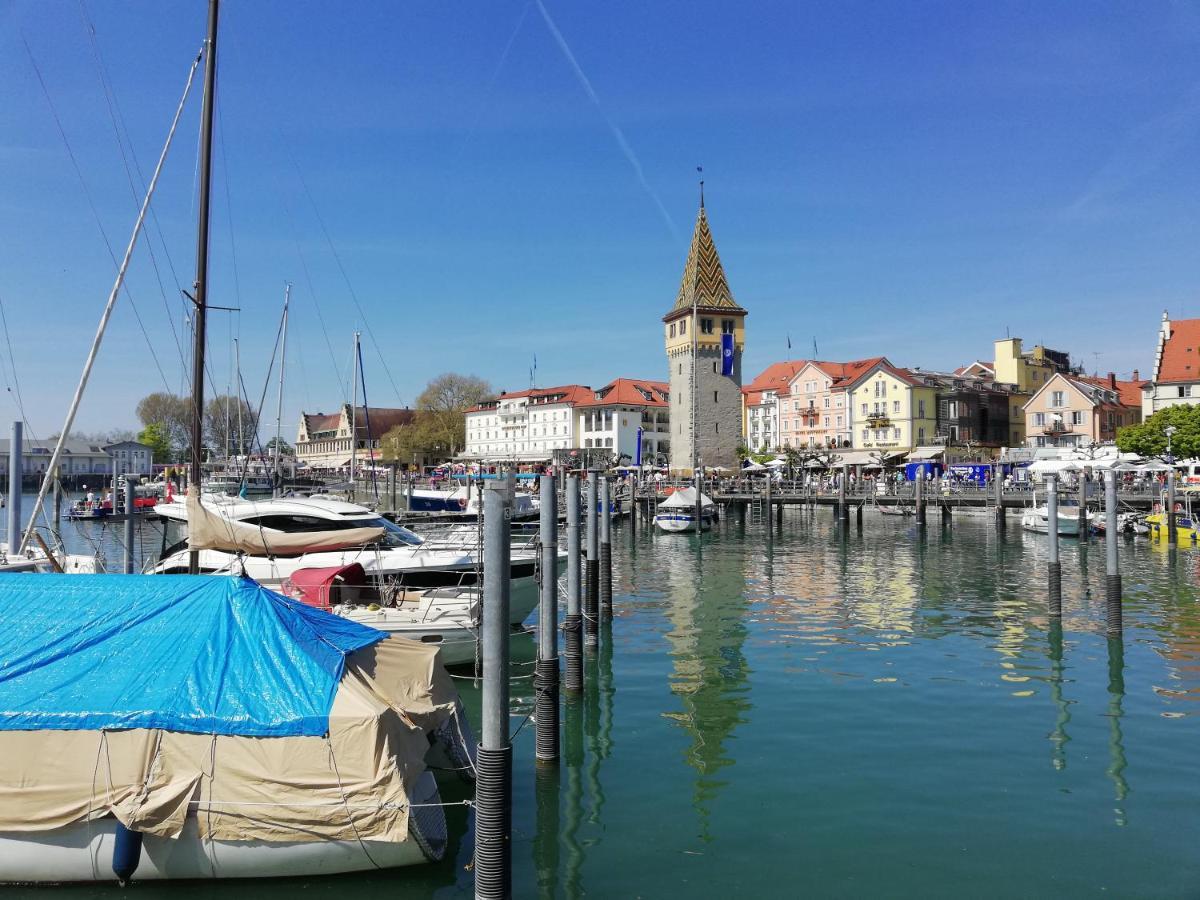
678 512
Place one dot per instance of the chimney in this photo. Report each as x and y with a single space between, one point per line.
1112 380
1136 376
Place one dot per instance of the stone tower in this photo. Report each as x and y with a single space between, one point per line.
705 334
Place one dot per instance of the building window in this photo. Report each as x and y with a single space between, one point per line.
827 403
1057 398
672 332
706 326
920 436
1077 418
896 434
683 326
895 406
880 388
727 326
681 368
920 409
1185 390
839 421
714 396
717 428
1039 419
864 409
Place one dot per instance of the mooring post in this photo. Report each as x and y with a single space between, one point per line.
1112 579
546 676
699 511
843 509
1169 512
130 490
493 785
998 486
768 503
858 514
605 546
1054 573
1083 516
573 624
15 453
919 498
591 611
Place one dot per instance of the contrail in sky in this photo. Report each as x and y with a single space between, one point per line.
612 126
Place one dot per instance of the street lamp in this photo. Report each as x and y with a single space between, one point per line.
1170 430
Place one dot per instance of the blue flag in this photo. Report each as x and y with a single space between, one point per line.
727 354
638 461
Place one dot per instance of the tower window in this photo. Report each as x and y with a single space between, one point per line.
672 329
681 368
706 326
727 326
714 396
717 427
714 366
683 326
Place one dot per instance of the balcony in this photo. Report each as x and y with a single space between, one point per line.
1055 426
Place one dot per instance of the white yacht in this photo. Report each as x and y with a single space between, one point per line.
1037 519
678 512
302 533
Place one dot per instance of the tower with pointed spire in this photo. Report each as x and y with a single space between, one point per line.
705 366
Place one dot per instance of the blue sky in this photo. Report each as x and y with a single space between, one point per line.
907 179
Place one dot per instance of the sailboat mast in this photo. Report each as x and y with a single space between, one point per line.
240 445
201 285
287 295
354 416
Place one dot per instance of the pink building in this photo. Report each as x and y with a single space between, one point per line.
815 412
1078 410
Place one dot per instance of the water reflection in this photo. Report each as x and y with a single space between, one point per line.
710 674
1116 740
1062 707
573 796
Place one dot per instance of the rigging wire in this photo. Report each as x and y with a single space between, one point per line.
95 212
345 277
312 292
135 190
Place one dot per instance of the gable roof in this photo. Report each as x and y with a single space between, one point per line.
704 285
858 370
1102 393
1181 352
978 366
315 422
774 377
631 392
382 420
571 394
840 373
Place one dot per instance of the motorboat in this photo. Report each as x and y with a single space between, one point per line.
677 513
1187 529
270 540
226 732
447 618
466 500
1037 519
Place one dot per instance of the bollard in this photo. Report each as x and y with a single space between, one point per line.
1169 512
15 454
1112 578
591 609
546 676
1083 516
605 547
573 624
130 489
1054 571
919 500
998 484
493 785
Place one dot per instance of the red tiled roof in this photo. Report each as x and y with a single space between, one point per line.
315 422
1181 353
843 373
629 392
986 366
774 377
1129 393
573 394
382 420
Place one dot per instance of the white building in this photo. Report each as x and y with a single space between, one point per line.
1176 376
525 426
529 426
323 440
77 458
621 411
131 458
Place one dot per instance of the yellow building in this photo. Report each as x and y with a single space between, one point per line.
1029 371
892 410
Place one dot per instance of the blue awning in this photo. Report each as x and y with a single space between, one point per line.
191 653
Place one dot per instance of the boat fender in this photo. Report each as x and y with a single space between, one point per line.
462 502
127 853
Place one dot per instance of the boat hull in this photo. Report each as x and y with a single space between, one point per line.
679 523
84 851
1040 524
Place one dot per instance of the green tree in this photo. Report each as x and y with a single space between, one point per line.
285 449
155 437
173 414
416 440
1150 437
443 405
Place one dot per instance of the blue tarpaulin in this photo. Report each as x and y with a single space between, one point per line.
192 653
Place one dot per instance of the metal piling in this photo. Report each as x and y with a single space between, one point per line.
1054 569
547 671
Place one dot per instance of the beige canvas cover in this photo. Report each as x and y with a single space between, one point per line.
350 784
208 530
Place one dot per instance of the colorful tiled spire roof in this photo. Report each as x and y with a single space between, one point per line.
704 284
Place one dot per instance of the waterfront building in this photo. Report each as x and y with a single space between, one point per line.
131 458
1175 378
814 411
762 399
1078 411
1028 371
623 412
525 426
78 458
894 409
704 334
324 440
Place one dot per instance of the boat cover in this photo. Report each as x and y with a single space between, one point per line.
208 530
154 698
685 498
207 654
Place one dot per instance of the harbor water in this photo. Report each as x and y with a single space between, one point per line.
828 713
